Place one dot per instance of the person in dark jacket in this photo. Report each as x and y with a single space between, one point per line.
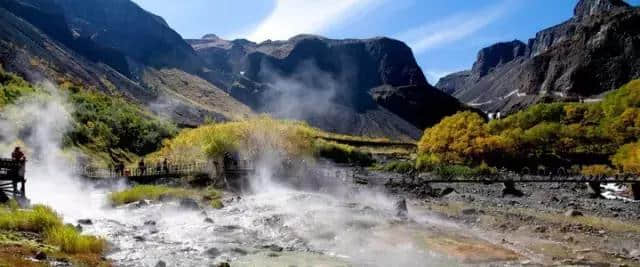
141 167
17 155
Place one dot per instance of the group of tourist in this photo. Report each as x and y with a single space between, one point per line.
161 167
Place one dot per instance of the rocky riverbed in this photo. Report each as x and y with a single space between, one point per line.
551 223
291 228
346 224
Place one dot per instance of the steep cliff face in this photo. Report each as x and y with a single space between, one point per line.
374 82
139 35
595 51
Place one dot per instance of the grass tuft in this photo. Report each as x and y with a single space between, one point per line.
341 153
157 192
42 219
71 241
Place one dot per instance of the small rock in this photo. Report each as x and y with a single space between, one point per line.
401 208
213 252
573 213
139 238
569 239
273 255
41 256
85 221
602 232
189 203
540 229
274 248
446 191
223 264
150 223
635 254
468 211
142 203
239 251
161 264
208 220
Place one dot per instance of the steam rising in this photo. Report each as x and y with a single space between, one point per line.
320 225
39 123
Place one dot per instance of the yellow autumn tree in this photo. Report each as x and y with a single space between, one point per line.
627 158
456 139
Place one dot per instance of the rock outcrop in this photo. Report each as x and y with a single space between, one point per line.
371 87
595 51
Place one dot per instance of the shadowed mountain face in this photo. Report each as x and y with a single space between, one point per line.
341 85
597 50
368 87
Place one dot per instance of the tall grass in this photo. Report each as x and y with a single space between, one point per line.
251 137
341 153
71 241
42 219
150 192
157 192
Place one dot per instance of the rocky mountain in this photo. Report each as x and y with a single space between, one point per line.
112 46
370 87
595 51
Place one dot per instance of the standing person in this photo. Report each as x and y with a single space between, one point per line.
17 155
165 166
141 167
119 168
158 168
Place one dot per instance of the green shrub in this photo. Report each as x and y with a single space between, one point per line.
397 167
108 122
449 171
427 162
484 169
12 87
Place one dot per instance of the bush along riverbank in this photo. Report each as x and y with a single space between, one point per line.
140 194
38 237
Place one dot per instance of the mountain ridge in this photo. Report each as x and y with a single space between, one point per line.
366 87
591 53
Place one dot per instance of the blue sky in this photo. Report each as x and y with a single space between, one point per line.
445 35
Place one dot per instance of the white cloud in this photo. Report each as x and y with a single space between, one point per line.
292 17
452 28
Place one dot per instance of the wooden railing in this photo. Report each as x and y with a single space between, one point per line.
12 177
154 170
